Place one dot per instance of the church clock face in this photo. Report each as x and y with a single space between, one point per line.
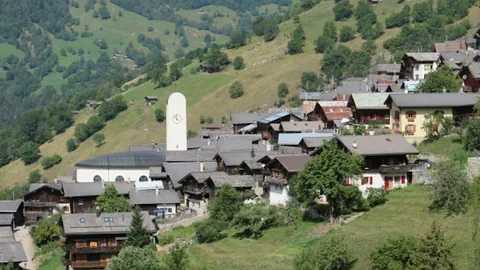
177 118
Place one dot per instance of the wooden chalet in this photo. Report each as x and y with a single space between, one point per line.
332 111
471 75
368 107
44 200
11 213
11 251
93 104
270 126
92 239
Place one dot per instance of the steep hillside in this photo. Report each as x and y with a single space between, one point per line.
207 94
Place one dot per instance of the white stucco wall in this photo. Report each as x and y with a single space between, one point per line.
86 174
378 181
421 72
167 206
278 194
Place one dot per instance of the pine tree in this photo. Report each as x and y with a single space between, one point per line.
137 236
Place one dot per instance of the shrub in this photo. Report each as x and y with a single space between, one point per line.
347 33
29 152
254 219
329 253
343 10
46 231
210 230
71 144
191 134
323 44
238 63
48 162
34 177
376 196
159 115
282 90
166 239
99 138
150 29
395 253
236 90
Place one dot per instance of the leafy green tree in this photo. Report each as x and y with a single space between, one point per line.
226 203
437 126
210 230
450 191
476 222
179 53
308 4
282 90
441 80
343 10
362 9
398 19
209 120
295 45
295 101
336 61
103 12
330 253
176 71
347 33
271 31
177 259
34 177
236 90
184 42
330 30
215 60
46 231
421 12
238 63
323 43
310 82
99 138
255 219
433 251
238 39
135 258
71 144
29 153
95 123
137 235
110 109
395 253
156 69
327 172
159 115
110 201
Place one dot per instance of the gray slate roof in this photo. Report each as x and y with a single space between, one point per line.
156 172
177 171
126 159
202 176
247 118
139 197
370 101
36 186
389 68
6 235
292 163
235 158
424 56
301 126
233 144
239 181
317 96
92 224
250 137
378 145
10 206
432 100
348 88
253 164
12 251
71 190
6 219
199 143
313 142
190 155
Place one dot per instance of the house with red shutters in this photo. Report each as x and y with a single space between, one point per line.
386 161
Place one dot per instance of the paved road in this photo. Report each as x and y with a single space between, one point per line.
23 235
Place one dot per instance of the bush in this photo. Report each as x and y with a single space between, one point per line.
376 196
343 10
150 29
210 230
29 153
159 115
166 239
347 33
46 231
329 253
236 90
394 254
323 44
71 144
282 90
99 139
34 177
238 63
254 219
48 162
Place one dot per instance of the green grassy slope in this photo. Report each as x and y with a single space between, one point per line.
207 95
405 213
7 50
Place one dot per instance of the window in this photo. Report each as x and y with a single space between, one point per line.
364 180
119 179
97 178
397 179
417 67
411 116
82 220
169 210
108 219
410 129
143 178
80 202
416 77
428 68
397 115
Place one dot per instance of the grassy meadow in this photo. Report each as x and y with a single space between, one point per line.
406 213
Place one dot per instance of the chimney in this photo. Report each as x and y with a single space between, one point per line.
156 190
56 180
252 152
354 144
209 141
201 167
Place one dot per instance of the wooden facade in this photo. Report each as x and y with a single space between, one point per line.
43 202
92 251
364 117
83 204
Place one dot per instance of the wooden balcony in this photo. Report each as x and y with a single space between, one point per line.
196 191
40 204
89 264
108 248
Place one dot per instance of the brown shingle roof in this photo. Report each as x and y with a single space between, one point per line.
292 163
301 126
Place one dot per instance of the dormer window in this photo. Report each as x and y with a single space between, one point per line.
108 219
82 220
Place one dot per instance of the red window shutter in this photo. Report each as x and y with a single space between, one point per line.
371 180
403 179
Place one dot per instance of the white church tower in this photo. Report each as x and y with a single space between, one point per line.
176 122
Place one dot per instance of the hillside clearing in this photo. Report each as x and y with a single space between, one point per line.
405 213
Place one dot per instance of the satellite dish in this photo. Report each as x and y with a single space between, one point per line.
464 77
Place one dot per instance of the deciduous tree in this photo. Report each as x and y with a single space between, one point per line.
135 258
330 253
110 201
441 80
226 203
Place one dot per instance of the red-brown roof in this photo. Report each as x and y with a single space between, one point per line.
308 106
451 46
336 113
